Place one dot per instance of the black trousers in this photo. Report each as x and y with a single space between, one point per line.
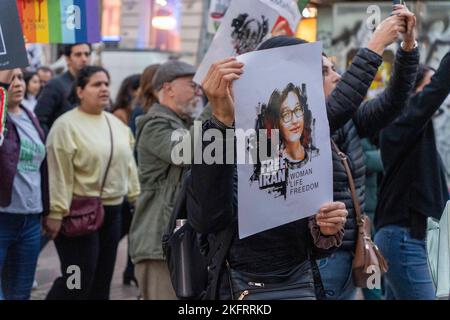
94 254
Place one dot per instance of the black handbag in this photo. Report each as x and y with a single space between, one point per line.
293 284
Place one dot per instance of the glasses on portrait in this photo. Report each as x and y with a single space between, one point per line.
287 114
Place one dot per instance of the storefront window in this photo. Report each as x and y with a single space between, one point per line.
111 20
307 28
165 26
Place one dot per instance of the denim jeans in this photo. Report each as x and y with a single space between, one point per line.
95 256
408 277
336 273
19 251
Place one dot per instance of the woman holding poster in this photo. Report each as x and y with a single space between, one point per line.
282 249
281 257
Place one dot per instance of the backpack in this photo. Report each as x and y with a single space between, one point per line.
188 254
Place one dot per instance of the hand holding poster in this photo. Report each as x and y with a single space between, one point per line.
12 47
286 127
60 21
246 24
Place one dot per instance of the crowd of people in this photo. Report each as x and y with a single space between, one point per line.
69 144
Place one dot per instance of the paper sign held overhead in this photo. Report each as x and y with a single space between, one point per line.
246 25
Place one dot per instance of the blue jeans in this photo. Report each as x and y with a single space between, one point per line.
336 273
408 277
19 251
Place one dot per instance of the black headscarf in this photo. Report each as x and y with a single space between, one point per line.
4 85
280 41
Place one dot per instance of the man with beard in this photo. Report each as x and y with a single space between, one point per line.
159 176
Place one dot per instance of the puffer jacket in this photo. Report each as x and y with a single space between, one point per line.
371 116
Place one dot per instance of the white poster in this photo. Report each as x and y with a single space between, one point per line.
284 156
245 25
2 42
217 10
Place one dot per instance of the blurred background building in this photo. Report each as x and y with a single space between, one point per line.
137 33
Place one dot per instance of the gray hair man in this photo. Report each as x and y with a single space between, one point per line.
160 177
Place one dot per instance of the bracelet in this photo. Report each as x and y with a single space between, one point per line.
402 45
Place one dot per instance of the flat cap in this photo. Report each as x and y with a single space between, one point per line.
171 70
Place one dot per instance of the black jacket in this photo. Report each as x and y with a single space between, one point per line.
212 196
370 117
414 185
212 207
52 101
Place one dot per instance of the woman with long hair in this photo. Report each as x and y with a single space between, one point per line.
288 112
128 92
33 88
146 97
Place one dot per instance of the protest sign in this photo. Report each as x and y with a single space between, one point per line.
284 170
60 21
217 10
246 24
12 47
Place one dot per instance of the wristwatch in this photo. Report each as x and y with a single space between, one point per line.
414 47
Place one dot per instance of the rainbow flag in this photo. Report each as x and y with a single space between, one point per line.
60 21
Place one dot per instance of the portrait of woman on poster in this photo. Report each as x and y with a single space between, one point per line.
288 112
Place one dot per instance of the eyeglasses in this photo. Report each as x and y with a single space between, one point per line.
191 84
287 114
194 86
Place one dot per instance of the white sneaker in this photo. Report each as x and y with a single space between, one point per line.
35 285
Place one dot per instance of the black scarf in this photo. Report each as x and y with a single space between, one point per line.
4 85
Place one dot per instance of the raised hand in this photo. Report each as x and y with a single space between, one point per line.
217 86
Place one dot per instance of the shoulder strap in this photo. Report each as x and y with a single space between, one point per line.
110 155
222 247
343 156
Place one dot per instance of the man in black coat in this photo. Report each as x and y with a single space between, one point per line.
413 188
53 101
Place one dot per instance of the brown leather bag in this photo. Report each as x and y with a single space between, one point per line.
86 214
368 257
